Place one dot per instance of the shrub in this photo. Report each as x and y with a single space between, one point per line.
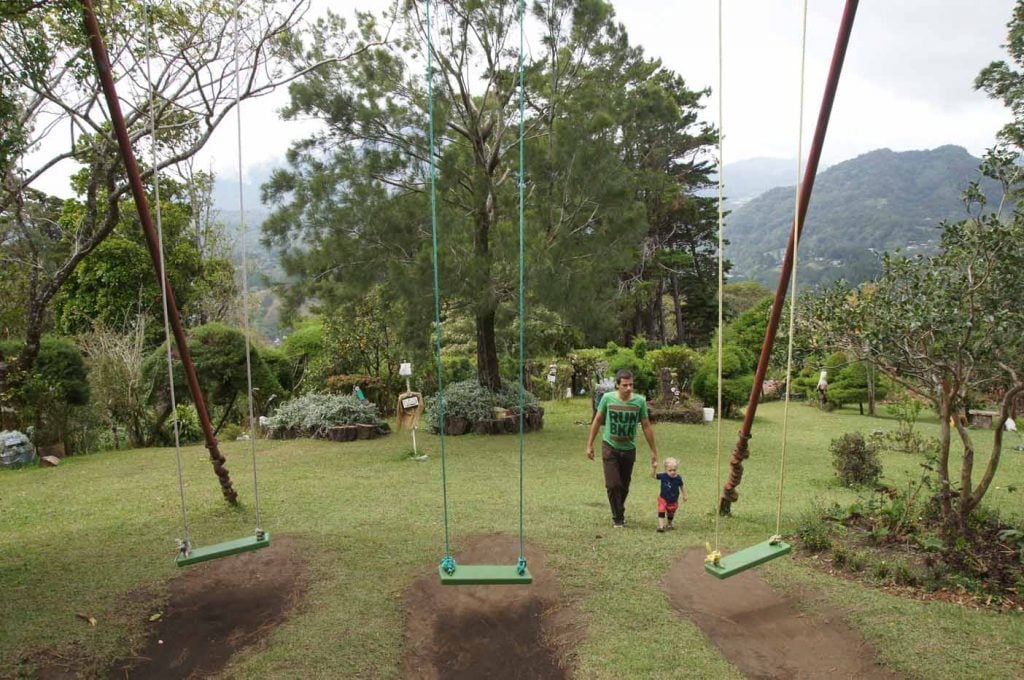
189 429
856 462
468 399
680 359
230 432
314 413
645 378
737 378
814 531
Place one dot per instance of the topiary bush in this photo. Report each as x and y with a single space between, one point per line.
314 413
680 359
855 460
468 399
737 378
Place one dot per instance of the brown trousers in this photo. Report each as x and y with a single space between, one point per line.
618 471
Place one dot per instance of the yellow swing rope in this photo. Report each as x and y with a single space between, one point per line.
792 291
714 555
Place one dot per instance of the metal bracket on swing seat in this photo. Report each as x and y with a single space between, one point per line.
485 575
755 555
261 539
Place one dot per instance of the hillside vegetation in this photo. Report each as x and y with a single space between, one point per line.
880 201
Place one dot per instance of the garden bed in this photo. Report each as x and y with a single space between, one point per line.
912 561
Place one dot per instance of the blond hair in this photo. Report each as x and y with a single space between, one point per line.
671 462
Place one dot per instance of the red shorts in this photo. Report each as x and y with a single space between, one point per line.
665 506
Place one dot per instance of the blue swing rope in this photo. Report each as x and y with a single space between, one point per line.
448 562
521 564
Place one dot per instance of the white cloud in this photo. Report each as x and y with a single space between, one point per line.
907 82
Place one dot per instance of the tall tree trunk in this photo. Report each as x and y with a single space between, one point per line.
945 492
869 370
487 368
678 308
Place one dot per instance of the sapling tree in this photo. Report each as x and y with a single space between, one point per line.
946 326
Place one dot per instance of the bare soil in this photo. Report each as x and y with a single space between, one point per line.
500 632
218 608
764 634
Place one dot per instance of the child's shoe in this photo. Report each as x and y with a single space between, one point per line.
670 527
661 530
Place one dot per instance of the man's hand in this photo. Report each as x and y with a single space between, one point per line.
590 451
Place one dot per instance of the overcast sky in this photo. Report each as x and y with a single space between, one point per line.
906 84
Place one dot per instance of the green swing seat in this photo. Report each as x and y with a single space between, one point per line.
212 552
485 575
748 558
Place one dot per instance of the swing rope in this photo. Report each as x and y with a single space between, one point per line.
245 273
185 543
714 553
792 295
521 563
448 562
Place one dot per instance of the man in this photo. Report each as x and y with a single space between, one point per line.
620 412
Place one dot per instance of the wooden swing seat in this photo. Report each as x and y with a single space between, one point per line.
213 552
485 575
748 558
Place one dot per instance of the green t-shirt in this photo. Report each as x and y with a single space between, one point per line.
621 419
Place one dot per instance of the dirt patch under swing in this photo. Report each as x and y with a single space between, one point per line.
500 632
764 634
218 608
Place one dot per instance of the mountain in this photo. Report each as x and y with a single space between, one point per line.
880 201
748 179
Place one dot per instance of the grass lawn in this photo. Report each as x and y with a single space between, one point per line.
81 537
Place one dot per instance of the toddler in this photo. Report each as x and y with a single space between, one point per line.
671 488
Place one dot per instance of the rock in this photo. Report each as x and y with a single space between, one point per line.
49 461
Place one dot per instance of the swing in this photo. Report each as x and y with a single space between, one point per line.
453 574
715 563
187 554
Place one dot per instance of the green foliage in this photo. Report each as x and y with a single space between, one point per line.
849 384
742 296
189 429
218 352
747 330
49 396
905 438
645 378
468 399
302 350
680 359
814 531
891 200
230 432
855 461
313 414
737 378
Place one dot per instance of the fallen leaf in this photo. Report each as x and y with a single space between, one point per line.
86 617
156 617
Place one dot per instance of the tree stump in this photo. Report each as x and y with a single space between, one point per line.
456 425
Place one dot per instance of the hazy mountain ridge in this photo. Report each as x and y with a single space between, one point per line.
880 201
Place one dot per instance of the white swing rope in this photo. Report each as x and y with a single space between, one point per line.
793 290
721 277
184 543
253 430
715 554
